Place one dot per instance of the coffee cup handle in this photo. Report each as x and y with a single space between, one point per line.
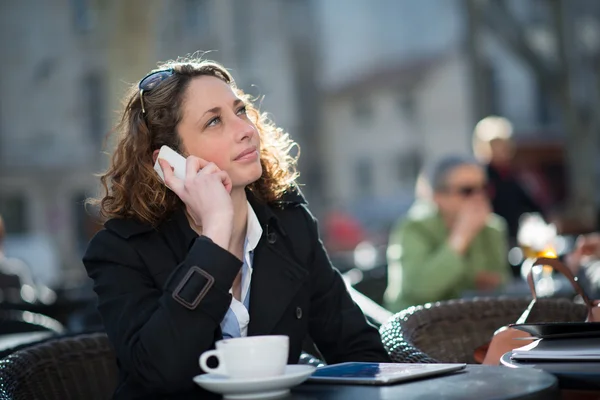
220 370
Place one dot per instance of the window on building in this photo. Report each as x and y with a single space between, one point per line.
408 167
362 109
95 103
43 70
538 12
546 109
491 93
242 31
407 105
13 209
363 173
196 17
83 18
81 220
314 190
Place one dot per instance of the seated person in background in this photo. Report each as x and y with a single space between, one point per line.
449 242
232 250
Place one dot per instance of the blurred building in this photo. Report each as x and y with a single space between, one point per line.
70 61
383 126
53 118
370 89
398 91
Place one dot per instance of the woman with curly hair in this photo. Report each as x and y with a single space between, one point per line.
229 251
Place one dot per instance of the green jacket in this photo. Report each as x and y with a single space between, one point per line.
423 268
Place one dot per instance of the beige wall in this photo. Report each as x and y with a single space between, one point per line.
47 156
380 139
440 125
445 109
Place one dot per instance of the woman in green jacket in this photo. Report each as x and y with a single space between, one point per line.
449 242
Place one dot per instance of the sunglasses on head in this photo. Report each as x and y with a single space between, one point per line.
152 80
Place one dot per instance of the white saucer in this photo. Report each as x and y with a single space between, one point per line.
257 388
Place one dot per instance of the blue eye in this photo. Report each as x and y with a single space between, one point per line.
241 110
213 121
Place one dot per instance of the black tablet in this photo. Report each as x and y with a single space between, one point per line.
557 330
379 373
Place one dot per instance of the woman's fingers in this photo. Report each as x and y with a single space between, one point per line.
172 182
193 165
210 168
226 180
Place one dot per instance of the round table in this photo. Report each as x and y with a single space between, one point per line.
475 382
584 376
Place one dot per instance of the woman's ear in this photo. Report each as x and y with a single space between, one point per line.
155 156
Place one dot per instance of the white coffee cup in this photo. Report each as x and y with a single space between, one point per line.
249 357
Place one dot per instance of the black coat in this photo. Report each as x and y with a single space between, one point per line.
158 336
509 199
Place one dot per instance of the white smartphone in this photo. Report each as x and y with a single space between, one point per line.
176 160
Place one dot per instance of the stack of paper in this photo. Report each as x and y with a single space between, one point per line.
576 349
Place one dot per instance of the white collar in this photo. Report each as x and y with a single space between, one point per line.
253 230
253 234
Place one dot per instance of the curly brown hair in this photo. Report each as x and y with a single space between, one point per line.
131 187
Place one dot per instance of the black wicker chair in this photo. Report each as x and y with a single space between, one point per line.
450 331
77 367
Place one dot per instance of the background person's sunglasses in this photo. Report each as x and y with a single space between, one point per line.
467 191
151 81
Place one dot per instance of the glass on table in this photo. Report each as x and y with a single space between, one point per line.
536 238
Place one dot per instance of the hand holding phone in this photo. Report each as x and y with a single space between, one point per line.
175 160
204 189
178 165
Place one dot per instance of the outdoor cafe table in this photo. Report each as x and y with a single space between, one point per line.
475 382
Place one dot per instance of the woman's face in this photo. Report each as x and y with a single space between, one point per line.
215 127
